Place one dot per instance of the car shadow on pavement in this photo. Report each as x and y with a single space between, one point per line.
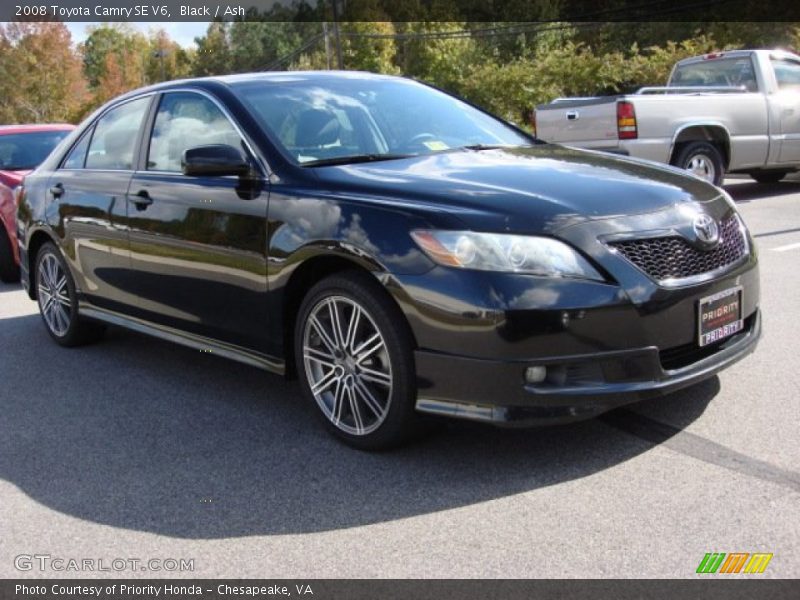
140 434
9 287
749 191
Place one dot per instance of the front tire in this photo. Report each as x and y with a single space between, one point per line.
355 362
702 159
58 300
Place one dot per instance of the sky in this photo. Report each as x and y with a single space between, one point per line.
182 32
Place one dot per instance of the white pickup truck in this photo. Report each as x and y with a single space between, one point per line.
726 112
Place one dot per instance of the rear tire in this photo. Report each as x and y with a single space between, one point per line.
769 176
355 362
703 159
58 300
9 270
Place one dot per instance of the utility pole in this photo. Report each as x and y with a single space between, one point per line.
160 54
327 45
337 39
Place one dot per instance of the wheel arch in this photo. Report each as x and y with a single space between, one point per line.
712 132
315 268
36 240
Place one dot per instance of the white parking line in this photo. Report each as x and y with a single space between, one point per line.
787 247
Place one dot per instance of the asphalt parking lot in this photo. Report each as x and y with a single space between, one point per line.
136 448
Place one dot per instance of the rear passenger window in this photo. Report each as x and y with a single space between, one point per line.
186 120
115 136
77 156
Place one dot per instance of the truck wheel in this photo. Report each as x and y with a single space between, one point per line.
769 176
355 362
701 159
9 271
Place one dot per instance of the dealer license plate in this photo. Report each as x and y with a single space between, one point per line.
720 316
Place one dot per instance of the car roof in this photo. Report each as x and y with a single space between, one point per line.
264 76
28 128
286 76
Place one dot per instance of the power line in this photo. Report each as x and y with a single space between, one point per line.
516 29
466 33
315 38
503 30
305 46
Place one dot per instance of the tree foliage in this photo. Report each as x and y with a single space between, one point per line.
128 47
213 51
41 78
165 59
506 65
370 54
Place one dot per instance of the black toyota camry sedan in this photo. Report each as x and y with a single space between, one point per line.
403 253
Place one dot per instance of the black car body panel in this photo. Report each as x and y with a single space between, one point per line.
522 190
214 262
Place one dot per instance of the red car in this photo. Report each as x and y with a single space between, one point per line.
22 148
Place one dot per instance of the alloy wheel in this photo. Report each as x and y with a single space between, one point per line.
347 365
53 293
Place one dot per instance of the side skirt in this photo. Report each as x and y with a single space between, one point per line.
197 342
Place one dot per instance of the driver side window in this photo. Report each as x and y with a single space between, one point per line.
186 120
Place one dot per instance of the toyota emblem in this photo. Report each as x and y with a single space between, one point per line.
706 229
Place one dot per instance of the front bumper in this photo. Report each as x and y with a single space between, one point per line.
604 344
496 391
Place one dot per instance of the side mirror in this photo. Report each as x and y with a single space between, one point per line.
214 160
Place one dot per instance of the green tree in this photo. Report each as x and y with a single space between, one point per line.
213 51
128 46
443 61
364 53
256 45
165 58
41 78
760 34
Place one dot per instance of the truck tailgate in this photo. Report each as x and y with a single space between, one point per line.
591 122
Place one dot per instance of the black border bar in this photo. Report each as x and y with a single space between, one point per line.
712 587
464 11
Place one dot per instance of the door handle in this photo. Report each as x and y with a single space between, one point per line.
573 115
142 199
57 190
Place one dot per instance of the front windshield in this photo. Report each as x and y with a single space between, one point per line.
25 151
318 120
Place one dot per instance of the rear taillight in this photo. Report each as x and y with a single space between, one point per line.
626 121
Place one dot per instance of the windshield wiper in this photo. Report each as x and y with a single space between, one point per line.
355 158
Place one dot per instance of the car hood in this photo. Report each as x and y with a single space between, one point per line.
12 178
529 189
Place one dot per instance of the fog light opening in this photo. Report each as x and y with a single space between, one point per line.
535 374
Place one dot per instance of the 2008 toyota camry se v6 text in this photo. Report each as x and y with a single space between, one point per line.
402 252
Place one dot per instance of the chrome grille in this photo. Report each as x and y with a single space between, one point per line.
672 257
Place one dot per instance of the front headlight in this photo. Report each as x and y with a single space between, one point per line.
504 253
